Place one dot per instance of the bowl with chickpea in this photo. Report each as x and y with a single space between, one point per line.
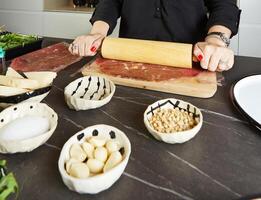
173 120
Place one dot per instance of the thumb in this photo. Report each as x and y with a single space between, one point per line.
96 43
198 53
95 46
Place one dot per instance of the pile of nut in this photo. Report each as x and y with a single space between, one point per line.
172 120
94 156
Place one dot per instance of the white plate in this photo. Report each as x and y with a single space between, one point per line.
247 97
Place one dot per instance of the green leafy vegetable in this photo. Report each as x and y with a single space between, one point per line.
12 40
8 183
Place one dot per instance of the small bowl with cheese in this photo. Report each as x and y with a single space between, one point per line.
173 120
26 126
93 159
28 87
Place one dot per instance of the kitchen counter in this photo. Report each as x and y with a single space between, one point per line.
222 162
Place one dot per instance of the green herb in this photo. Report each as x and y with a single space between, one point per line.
8 183
12 40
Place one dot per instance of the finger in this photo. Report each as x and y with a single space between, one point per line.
92 53
222 67
228 61
219 70
198 52
76 50
208 51
231 62
214 61
70 48
81 50
84 49
91 50
95 45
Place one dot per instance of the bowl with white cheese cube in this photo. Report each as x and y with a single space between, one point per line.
93 159
26 126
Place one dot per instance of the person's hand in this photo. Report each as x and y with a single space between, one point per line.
214 57
86 45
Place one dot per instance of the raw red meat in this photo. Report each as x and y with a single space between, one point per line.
142 71
52 58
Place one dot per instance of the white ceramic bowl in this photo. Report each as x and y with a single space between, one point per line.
22 110
32 96
100 182
178 137
89 92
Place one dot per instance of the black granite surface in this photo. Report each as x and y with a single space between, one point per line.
223 161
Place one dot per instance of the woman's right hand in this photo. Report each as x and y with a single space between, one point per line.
86 45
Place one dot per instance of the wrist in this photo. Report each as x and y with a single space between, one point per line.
219 38
100 27
215 41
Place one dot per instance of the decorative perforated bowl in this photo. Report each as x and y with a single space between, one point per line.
21 110
99 182
175 137
89 92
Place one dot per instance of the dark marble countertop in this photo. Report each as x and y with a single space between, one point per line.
222 162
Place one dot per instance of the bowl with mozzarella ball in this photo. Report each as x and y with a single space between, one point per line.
173 120
93 159
26 126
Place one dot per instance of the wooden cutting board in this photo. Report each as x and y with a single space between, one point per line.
190 82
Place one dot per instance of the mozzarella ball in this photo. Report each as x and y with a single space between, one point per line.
77 152
88 148
79 170
97 141
101 154
95 166
114 159
69 163
112 145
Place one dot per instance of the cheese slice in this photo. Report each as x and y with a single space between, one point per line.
12 73
44 78
10 91
19 82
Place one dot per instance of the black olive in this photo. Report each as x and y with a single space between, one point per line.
122 150
112 134
95 132
80 136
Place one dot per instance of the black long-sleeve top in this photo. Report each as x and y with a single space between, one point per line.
167 20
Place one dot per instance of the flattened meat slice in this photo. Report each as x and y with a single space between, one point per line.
142 71
52 58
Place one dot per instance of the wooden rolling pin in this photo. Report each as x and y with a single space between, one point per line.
145 51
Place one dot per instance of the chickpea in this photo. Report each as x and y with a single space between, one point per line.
172 120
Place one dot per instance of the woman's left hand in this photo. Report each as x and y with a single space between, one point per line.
214 57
